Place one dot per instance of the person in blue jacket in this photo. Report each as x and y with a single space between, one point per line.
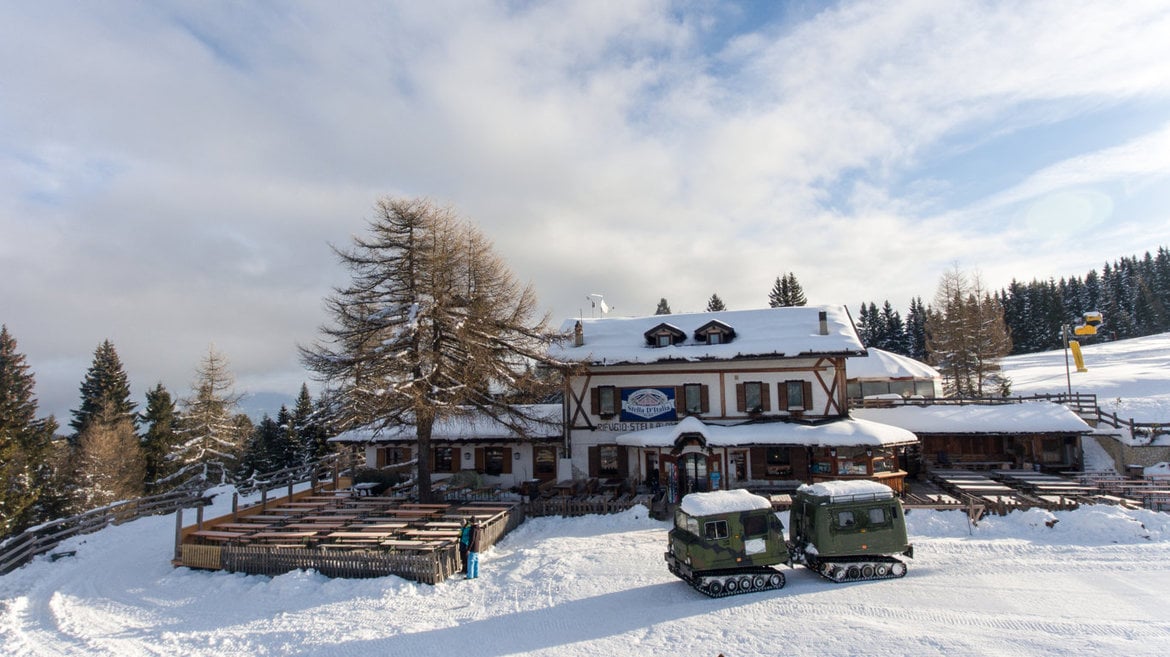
464 540
474 541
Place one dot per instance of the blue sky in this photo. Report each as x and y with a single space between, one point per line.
171 174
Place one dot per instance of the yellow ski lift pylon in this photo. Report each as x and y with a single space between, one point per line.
1077 357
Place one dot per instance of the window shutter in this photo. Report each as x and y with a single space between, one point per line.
507 460
758 462
782 388
406 454
623 462
595 398
765 397
808 399
480 462
740 398
594 461
680 400
704 399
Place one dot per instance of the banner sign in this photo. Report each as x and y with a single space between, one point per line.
648 405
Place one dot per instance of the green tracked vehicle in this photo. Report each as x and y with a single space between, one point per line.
849 531
727 542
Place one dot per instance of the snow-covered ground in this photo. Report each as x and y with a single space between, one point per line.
1129 377
1095 583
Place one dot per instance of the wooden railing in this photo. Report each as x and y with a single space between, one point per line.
1083 404
21 548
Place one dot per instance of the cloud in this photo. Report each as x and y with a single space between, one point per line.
172 174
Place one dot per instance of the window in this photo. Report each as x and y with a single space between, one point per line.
777 461
753 396
755 525
665 340
608 455
715 529
795 390
444 458
605 401
493 460
693 394
877 516
545 461
845 520
714 338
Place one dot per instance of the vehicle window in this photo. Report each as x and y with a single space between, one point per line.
845 519
877 516
716 529
755 525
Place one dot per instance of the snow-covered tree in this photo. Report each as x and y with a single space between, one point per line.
110 459
211 436
25 443
715 304
432 325
916 330
309 426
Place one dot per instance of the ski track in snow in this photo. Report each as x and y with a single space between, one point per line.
597 585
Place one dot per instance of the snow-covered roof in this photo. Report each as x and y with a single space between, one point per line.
469 426
777 332
880 364
840 433
836 490
722 501
1026 417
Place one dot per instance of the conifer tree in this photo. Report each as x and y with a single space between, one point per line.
916 330
663 307
105 390
211 434
160 421
715 304
431 318
310 430
110 458
786 292
25 443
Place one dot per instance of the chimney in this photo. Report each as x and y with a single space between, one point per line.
578 334
824 320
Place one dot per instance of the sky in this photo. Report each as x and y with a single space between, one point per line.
172 174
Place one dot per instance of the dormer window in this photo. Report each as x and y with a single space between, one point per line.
664 335
714 332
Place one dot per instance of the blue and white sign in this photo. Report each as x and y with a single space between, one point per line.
648 405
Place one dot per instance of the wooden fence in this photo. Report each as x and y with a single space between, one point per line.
21 548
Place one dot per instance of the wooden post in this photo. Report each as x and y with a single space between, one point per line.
179 533
263 499
235 506
199 517
290 490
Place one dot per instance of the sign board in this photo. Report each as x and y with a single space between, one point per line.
648 405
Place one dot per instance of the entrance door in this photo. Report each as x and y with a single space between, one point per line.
693 473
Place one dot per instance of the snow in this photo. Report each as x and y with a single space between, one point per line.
884 365
789 332
725 501
546 420
1092 583
846 489
1128 376
839 433
1024 417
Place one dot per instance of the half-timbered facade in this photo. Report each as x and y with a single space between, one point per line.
750 377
